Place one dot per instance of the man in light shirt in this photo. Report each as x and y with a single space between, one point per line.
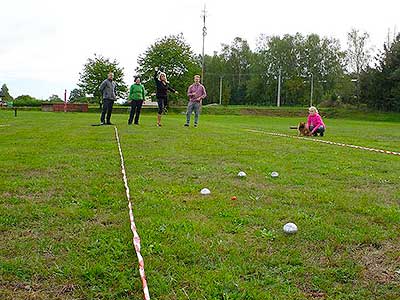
196 93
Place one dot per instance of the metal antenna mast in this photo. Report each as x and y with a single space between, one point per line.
204 14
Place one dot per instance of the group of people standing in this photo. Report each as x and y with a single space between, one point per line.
196 93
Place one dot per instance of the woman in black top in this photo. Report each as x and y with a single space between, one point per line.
163 87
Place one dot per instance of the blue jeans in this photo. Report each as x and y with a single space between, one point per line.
193 106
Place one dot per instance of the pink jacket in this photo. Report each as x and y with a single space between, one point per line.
314 120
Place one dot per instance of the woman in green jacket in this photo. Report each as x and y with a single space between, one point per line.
136 97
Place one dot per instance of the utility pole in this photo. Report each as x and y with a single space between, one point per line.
312 89
204 14
278 100
220 90
65 100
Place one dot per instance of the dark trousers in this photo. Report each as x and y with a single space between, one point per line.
320 130
162 104
107 109
136 107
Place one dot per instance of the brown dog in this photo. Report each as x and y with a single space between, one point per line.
302 129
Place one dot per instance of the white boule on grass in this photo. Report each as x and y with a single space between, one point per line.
241 174
274 174
205 191
290 228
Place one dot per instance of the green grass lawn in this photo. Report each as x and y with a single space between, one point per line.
64 226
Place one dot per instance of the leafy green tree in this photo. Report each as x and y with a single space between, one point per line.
5 94
238 58
296 57
215 70
95 71
323 59
77 95
358 55
26 100
380 86
55 98
262 85
344 90
175 56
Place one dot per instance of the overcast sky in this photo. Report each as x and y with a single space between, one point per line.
45 43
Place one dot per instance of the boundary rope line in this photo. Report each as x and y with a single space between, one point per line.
136 238
326 142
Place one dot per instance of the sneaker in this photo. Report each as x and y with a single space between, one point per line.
102 123
321 134
159 124
129 123
195 125
136 123
186 125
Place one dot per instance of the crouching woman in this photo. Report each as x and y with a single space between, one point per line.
315 123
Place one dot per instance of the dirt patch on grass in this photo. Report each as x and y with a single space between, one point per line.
380 262
21 290
310 292
314 294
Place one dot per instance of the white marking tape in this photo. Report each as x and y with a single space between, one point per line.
136 238
326 142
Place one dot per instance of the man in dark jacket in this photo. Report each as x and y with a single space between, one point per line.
107 89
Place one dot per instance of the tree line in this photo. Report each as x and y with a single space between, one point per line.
310 69
307 69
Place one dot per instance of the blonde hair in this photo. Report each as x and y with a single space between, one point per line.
313 109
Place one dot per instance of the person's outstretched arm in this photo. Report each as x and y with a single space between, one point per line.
171 89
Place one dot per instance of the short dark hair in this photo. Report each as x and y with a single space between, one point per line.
136 77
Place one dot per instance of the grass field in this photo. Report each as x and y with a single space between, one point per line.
64 226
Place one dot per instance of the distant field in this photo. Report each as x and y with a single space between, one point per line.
64 226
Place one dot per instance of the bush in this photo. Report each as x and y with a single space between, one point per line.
26 100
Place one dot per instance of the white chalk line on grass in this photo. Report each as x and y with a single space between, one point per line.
326 142
136 238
